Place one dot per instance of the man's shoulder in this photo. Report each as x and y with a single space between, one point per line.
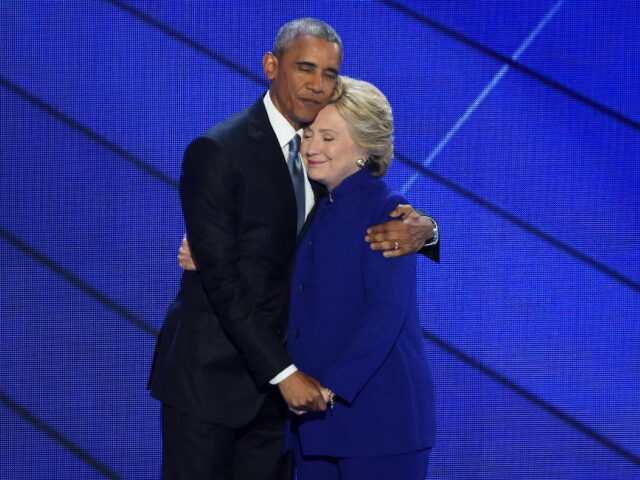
229 127
242 136
227 137
237 125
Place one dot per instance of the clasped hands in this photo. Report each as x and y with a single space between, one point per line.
303 393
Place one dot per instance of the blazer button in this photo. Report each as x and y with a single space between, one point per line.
301 288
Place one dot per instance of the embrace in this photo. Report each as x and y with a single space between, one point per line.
295 337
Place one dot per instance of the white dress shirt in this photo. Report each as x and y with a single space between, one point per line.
284 133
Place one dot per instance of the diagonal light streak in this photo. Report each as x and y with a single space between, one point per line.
75 449
480 98
531 397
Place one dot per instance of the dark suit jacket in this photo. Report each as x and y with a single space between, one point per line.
223 336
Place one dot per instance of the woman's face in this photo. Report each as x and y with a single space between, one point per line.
328 148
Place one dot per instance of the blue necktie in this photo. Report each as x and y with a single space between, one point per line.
294 162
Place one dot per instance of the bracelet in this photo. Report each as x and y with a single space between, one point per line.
436 236
331 396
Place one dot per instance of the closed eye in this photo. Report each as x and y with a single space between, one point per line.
306 66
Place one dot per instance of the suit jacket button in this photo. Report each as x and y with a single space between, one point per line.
301 288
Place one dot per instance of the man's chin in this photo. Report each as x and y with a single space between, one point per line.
307 118
308 114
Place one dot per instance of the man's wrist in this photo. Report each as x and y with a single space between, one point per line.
291 369
436 235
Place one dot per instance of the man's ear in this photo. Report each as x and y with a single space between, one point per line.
270 65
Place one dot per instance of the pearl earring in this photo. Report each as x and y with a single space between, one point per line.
361 162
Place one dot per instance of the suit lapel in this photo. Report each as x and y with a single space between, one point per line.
319 191
266 149
267 152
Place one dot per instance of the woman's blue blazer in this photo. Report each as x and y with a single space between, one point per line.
354 326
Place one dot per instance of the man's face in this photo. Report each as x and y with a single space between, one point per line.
302 79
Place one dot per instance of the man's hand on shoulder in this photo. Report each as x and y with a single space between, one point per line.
302 393
397 238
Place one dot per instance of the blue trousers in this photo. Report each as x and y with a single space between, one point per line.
408 466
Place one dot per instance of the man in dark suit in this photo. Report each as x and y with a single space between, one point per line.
221 349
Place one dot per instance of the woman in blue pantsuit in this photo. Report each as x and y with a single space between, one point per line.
354 322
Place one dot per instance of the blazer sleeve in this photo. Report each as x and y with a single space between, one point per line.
209 187
389 284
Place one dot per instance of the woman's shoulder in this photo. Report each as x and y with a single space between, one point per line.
382 199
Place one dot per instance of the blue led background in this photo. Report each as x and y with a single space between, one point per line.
517 128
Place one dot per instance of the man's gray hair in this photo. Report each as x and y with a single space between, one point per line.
304 26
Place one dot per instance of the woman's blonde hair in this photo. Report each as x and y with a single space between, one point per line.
368 113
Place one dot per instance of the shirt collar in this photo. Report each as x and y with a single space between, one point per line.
281 127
